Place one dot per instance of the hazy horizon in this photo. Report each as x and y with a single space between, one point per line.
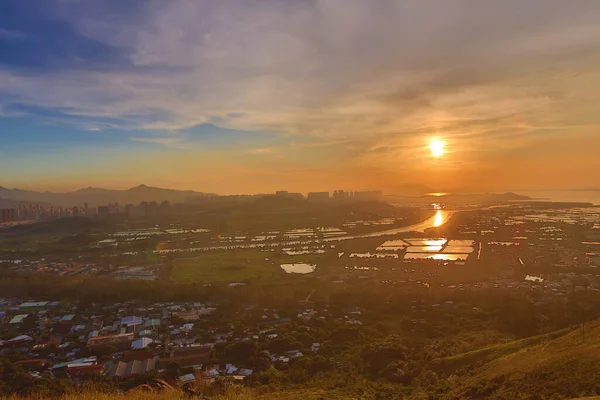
408 190
249 97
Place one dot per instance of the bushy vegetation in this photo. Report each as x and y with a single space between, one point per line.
456 352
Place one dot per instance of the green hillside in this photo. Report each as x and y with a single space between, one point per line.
563 364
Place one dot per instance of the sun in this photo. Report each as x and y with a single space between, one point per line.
437 148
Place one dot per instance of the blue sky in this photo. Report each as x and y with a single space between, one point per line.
249 96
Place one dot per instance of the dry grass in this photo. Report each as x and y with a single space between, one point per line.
560 365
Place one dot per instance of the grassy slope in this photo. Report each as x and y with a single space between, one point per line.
234 394
560 364
490 353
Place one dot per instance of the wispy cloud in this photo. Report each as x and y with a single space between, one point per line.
263 150
164 141
372 80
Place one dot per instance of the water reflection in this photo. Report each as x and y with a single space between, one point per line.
299 268
427 242
459 249
439 219
534 278
423 249
438 256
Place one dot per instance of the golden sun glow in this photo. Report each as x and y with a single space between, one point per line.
437 148
438 219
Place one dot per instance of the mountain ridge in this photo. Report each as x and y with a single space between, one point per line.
98 196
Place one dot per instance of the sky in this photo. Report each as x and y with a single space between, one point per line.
253 96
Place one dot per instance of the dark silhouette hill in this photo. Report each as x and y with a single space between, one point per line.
99 196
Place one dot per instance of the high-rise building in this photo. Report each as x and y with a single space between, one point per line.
128 209
103 211
9 215
288 195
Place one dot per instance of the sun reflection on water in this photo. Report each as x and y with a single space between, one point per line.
439 219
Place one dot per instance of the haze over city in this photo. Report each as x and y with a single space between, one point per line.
255 96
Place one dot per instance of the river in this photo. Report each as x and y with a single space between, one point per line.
440 218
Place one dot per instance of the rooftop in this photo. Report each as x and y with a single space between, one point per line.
134 367
19 318
34 304
110 339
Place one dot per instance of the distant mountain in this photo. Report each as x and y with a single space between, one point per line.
510 196
7 203
457 198
99 196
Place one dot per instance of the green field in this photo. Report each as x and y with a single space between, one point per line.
242 265
226 267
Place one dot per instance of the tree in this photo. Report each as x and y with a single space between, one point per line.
321 364
241 351
262 362
16 381
298 375
385 357
172 371
282 344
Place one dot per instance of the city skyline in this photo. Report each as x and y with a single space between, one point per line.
249 97
35 206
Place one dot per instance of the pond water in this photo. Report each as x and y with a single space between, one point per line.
331 231
392 245
461 243
427 242
438 256
363 268
458 249
532 278
291 252
299 268
373 255
423 249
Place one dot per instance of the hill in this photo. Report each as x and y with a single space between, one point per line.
459 198
558 365
98 196
562 364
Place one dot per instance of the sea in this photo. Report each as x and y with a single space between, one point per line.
574 196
